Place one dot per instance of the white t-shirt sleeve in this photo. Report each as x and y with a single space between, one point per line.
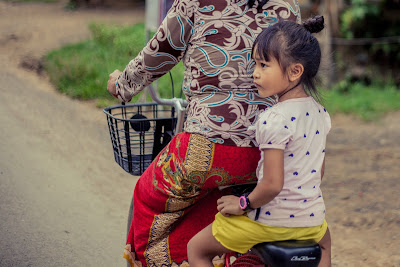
273 130
328 123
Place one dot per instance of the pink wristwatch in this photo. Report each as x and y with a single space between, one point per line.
244 203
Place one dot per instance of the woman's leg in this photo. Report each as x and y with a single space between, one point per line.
203 247
176 196
325 245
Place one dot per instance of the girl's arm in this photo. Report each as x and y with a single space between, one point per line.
323 169
272 183
265 191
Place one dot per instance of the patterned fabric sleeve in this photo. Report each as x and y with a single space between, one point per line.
161 53
273 131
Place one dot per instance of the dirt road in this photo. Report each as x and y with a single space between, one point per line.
63 200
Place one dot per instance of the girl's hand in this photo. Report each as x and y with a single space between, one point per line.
229 205
112 79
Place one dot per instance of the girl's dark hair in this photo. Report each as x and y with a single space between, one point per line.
289 42
261 3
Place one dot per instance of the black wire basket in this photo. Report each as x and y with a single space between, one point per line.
139 132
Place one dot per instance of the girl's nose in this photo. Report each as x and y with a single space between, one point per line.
255 74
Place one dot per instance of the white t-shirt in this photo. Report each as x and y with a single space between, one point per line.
299 126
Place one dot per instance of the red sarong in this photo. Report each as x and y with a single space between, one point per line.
177 196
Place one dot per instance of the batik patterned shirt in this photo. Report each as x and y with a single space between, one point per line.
214 39
299 127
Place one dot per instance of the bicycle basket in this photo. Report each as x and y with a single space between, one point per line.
138 133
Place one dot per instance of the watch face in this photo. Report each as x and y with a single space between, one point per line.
242 202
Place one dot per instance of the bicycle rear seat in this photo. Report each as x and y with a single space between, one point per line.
293 253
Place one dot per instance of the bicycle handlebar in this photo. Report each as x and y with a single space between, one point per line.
178 103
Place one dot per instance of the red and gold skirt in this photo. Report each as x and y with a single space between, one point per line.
177 196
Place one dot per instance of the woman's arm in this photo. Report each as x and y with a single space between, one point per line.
159 56
265 191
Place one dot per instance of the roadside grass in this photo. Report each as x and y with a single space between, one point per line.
368 102
81 71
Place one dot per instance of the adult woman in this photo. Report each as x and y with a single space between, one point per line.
176 196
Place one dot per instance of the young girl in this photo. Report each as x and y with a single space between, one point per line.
287 202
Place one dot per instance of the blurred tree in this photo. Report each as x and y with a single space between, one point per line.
365 33
374 26
330 10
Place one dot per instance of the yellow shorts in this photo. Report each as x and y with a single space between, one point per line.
239 233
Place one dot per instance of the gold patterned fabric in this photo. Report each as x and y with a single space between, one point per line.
176 196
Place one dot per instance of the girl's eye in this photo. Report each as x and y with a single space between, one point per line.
263 65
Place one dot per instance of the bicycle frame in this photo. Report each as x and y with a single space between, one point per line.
178 103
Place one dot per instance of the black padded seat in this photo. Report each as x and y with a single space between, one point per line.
292 253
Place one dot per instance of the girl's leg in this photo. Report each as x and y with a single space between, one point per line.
325 245
203 247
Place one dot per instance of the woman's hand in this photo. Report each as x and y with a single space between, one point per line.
111 83
229 205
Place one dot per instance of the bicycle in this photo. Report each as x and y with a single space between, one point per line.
139 132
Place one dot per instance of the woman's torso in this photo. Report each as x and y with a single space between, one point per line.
218 80
214 39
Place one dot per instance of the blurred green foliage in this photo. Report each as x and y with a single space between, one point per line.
374 19
354 18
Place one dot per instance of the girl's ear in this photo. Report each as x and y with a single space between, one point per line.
295 71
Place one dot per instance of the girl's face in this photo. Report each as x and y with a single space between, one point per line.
268 76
